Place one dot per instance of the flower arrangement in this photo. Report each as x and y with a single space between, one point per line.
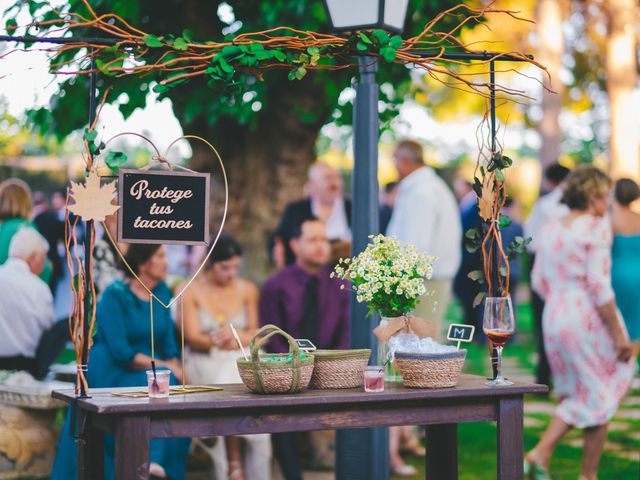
389 275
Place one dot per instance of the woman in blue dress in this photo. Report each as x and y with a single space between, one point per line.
625 269
122 353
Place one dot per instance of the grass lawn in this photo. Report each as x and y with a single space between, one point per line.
477 441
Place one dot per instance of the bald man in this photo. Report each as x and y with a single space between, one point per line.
326 202
426 215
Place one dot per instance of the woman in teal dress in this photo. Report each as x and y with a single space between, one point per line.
625 270
122 353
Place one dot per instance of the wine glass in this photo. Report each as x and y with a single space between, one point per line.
498 324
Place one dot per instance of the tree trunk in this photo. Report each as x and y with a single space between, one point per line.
622 78
266 166
549 18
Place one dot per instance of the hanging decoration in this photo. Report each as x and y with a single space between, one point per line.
228 64
92 201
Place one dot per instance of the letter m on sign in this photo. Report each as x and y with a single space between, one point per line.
460 333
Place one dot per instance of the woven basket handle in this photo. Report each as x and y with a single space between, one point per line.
259 340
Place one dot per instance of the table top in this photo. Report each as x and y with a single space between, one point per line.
238 396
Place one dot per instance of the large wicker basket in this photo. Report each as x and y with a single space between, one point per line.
339 368
289 376
430 370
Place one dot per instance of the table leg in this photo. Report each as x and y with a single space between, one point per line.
91 455
442 451
510 439
133 435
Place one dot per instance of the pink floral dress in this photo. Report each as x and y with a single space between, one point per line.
572 273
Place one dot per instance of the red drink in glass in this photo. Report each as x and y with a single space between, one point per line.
374 379
498 337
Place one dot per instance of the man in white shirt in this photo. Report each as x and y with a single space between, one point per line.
548 207
26 304
426 215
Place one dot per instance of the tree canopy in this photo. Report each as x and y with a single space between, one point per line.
213 21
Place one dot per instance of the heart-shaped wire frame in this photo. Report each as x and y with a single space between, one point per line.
162 159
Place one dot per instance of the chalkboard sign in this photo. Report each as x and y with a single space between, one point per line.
163 207
460 333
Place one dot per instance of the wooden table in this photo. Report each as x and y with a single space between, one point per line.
235 410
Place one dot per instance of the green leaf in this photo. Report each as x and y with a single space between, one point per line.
96 148
364 38
113 160
11 26
381 36
478 300
231 51
158 88
90 135
265 55
224 65
396 41
186 34
180 44
503 271
292 74
300 72
504 221
500 175
471 233
152 41
506 161
388 53
313 51
101 66
476 275
472 247
361 47
281 57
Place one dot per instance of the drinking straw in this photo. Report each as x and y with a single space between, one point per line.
235 335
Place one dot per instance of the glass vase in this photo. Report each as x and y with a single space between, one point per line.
392 374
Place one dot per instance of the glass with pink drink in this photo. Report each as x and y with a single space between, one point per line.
374 378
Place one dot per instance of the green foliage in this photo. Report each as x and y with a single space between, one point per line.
518 246
11 25
177 23
152 41
90 137
114 160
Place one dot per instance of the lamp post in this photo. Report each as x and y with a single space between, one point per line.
364 454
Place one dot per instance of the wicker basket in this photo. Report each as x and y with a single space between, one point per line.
275 377
430 370
339 368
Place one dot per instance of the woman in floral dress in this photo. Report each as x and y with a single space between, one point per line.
585 339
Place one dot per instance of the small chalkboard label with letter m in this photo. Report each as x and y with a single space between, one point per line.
163 207
460 333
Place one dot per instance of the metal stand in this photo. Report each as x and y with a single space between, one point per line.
364 454
88 300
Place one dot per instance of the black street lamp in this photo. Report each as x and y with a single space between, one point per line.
364 454
348 15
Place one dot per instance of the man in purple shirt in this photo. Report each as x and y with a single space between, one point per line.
305 302
302 299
